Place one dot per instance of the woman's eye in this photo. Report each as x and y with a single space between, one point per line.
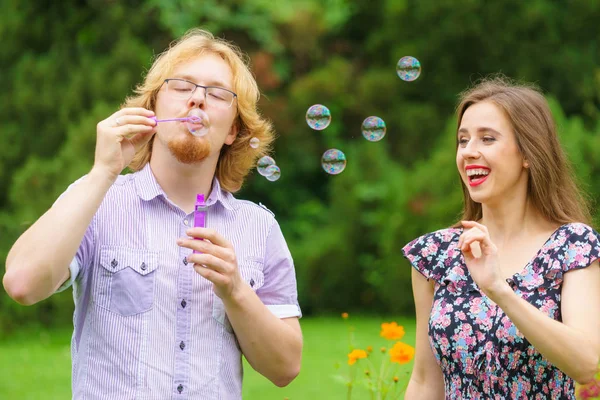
488 139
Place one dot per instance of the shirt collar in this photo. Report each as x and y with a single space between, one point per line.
148 188
219 195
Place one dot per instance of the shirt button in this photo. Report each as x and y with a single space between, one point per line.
185 222
182 345
114 263
180 388
143 267
183 303
185 261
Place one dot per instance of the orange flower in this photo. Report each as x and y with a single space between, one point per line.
345 315
355 355
396 379
392 331
369 349
383 349
401 353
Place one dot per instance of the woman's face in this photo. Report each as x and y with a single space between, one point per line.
488 159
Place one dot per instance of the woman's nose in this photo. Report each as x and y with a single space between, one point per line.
470 150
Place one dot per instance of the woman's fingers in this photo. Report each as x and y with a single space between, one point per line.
475 240
475 249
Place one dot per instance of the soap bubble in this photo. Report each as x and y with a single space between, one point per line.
254 142
195 123
373 129
333 161
318 117
263 165
408 68
273 173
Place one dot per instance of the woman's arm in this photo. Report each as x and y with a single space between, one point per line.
426 381
573 346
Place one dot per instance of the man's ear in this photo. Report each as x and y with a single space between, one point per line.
233 132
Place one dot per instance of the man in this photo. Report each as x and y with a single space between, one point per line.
159 314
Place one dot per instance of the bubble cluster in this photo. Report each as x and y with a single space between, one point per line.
408 68
373 129
318 117
263 164
266 167
273 173
333 161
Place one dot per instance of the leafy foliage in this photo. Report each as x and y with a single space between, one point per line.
63 71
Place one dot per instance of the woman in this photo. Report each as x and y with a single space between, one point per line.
508 299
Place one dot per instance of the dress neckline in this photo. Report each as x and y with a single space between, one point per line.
525 270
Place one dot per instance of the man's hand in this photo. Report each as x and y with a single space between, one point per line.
120 136
216 260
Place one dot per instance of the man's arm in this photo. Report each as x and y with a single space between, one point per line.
271 343
38 262
272 346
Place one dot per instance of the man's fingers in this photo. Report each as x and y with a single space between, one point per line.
209 261
132 130
141 139
134 111
212 276
210 234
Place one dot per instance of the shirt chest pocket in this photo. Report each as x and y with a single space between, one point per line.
125 280
252 274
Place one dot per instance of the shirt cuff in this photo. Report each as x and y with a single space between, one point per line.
285 310
74 268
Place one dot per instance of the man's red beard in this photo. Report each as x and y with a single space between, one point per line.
189 150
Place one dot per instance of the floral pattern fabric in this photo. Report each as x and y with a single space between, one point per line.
481 353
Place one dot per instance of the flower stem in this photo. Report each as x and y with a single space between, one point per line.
382 375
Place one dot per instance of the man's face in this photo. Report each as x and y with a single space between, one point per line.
217 127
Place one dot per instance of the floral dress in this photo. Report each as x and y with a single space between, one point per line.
481 353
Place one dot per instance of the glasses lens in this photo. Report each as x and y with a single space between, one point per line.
180 89
219 97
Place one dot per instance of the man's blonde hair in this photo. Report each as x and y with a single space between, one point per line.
236 160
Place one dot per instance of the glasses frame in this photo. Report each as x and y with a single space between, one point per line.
203 87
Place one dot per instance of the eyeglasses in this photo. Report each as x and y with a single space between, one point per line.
214 96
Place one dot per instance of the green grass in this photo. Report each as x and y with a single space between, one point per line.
37 365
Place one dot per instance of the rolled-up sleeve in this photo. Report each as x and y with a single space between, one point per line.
279 291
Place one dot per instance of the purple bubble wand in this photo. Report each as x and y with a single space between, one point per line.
200 213
192 119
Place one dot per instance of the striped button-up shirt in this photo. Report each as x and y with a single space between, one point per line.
146 325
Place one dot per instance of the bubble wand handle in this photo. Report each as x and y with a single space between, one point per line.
200 213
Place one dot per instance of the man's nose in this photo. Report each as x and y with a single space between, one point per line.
198 98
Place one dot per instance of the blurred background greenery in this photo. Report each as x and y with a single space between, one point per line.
67 65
